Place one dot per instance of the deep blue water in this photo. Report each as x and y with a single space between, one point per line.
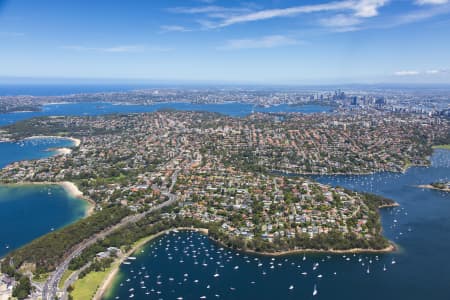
27 212
101 108
420 227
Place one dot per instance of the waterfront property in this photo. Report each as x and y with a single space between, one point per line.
419 227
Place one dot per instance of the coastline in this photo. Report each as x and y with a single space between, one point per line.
63 151
430 187
388 249
109 280
69 187
395 204
76 142
445 147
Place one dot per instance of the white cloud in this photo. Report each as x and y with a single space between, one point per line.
232 16
414 16
426 72
431 2
174 28
407 73
286 12
436 71
340 21
118 49
211 9
368 8
271 41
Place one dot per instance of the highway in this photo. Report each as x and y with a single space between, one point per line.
50 289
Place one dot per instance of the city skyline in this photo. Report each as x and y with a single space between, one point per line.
278 42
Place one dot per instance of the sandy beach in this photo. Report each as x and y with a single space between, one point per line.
76 142
429 186
73 191
70 188
63 151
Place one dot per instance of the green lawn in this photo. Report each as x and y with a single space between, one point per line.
442 147
42 278
66 275
86 287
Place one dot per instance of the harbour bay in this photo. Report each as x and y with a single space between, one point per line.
28 211
103 108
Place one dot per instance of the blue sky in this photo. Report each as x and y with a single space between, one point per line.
268 41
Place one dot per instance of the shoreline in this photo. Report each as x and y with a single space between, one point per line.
388 249
395 204
75 141
69 187
430 187
109 280
63 151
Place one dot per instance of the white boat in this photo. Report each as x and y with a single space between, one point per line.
384 268
368 270
291 287
216 274
315 290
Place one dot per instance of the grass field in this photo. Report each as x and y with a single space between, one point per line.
86 287
442 147
66 275
43 278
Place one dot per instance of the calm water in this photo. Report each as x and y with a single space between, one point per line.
101 108
27 212
30 149
172 266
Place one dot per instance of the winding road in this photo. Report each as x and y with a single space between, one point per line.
50 289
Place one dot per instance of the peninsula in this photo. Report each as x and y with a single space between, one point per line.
441 186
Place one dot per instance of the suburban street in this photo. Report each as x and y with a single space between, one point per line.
50 288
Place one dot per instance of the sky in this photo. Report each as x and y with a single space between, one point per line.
264 41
